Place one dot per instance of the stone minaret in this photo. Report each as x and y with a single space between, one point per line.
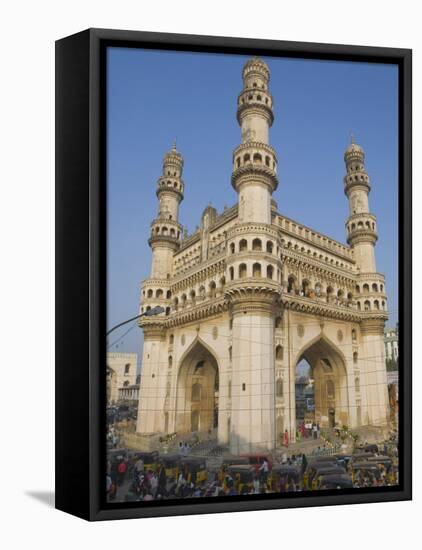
253 269
166 233
254 161
370 291
165 229
361 224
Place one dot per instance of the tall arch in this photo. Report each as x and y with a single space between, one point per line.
328 379
197 390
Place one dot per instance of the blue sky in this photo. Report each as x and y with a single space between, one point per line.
157 96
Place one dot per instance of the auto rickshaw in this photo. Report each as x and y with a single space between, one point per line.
149 458
230 461
357 458
384 461
368 448
194 469
171 464
280 472
243 476
364 470
324 470
335 481
311 469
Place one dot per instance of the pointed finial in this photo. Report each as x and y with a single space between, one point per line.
352 138
174 144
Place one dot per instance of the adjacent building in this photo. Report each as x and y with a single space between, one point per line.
121 374
251 293
391 340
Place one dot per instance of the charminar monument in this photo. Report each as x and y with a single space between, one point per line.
250 294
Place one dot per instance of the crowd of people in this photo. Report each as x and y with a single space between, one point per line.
129 479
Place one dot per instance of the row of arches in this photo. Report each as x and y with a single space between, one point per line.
171 184
369 305
255 270
366 288
159 293
256 246
305 289
246 97
192 296
291 246
165 231
361 225
257 159
363 177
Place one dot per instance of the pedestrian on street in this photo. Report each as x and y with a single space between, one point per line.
286 439
139 466
264 469
121 472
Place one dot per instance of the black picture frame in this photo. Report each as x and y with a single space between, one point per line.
80 269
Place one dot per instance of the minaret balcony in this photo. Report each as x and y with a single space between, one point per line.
361 228
358 180
170 184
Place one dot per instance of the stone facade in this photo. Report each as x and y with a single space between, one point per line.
251 293
121 373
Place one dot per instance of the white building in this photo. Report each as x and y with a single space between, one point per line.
391 340
121 373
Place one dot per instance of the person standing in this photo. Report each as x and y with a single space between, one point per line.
286 439
264 469
121 472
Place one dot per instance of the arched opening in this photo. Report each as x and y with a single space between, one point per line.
321 390
270 247
256 244
279 353
243 245
278 322
231 273
305 288
291 283
197 391
232 248
242 271
256 270
270 271
212 287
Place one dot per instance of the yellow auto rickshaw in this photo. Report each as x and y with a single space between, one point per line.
194 469
324 470
230 461
243 476
171 464
361 471
282 476
149 458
